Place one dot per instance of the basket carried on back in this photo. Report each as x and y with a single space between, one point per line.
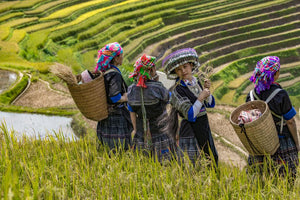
260 136
89 97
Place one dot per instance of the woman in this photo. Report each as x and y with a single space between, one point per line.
147 99
264 76
190 100
114 131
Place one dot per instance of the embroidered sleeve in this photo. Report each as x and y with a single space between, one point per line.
180 103
210 102
194 110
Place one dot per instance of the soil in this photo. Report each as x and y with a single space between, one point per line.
39 95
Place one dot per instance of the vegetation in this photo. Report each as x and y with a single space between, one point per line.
62 169
229 35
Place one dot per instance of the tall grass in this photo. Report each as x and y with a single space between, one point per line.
58 169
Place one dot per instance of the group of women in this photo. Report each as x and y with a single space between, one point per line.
141 109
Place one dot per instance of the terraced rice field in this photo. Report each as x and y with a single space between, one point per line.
229 35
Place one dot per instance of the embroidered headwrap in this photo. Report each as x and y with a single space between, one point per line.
141 70
178 58
263 75
106 54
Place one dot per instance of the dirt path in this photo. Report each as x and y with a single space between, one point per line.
40 95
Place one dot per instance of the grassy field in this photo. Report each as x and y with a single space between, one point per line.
60 169
229 35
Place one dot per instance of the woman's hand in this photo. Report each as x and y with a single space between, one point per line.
123 98
204 94
207 83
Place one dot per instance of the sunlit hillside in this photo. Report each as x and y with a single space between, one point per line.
230 36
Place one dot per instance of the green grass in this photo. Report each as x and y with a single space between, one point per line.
55 169
9 95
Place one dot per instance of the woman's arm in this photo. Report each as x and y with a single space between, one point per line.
291 123
123 98
133 121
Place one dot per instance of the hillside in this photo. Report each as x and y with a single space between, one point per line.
229 35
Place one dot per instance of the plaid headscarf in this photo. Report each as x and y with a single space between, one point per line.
106 54
177 58
263 75
141 70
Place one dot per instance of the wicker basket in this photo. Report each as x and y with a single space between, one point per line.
260 136
90 98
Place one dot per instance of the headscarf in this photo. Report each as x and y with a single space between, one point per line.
263 75
141 70
106 54
178 58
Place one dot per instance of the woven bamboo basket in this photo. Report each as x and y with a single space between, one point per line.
90 98
260 136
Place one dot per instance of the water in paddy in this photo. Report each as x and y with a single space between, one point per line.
36 125
6 79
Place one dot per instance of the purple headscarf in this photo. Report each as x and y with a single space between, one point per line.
263 75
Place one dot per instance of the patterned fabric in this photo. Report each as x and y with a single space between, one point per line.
189 146
178 58
163 147
154 93
115 131
183 97
141 70
286 155
106 54
263 75
247 116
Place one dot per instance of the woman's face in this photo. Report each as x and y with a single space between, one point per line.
276 76
118 60
184 71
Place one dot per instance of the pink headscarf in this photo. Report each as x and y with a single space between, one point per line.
141 70
106 54
263 75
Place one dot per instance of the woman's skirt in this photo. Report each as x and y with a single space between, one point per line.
285 156
162 148
115 132
189 146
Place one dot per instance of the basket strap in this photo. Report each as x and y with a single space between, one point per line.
272 95
243 130
251 95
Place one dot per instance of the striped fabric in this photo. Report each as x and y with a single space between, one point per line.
163 147
115 132
286 155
